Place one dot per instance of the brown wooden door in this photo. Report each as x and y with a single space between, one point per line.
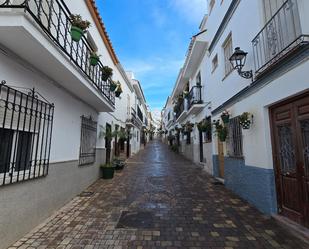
290 130
221 159
201 146
108 143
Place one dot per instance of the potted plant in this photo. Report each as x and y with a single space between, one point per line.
185 93
107 72
79 27
108 134
204 126
221 130
107 171
113 85
225 116
244 120
94 58
118 163
118 90
189 126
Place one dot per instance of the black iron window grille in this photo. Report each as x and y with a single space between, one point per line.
87 141
281 34
53 17
235 144
25 135
139 114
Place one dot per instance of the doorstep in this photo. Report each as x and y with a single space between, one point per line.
220 180
297 230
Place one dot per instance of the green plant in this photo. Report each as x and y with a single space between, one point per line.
78 28
118 90
106 133
225 116
94 58
107 72
204 125
185 93
113 85
189 126
244 120
221 130
77 21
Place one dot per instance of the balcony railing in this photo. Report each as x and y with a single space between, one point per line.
195 96
132 119
139 114
53 17
281 35
180 108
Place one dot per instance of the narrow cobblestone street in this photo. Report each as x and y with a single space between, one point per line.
160 200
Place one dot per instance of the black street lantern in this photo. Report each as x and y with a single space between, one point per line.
238 60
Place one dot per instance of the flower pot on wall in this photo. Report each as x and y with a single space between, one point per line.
76 33
225 119
94 60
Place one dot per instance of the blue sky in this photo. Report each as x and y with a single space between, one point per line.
151 38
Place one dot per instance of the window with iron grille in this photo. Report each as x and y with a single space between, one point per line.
235 138
25 135
87 141
188 141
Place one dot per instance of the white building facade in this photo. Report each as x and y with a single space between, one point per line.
53 107
267 162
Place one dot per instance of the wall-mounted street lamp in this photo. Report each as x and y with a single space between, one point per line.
238 60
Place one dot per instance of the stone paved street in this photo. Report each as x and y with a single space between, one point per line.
164 201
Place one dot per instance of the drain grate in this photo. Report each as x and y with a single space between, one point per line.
136 220
86 194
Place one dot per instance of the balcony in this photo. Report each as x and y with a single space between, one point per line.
181 110
38 31
132 120
281 36
195 102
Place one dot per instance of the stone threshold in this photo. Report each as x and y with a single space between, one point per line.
294 228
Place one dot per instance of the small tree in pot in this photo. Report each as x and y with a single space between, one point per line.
221 130
79 27
107 171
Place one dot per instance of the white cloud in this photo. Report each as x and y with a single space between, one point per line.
191 10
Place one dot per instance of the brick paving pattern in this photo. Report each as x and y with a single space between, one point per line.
164 201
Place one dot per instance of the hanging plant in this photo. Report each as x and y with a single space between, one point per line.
185 93
94 58
221 130
244 120
118 90
204 125
225 116
79 27
189 126
107 72
113 85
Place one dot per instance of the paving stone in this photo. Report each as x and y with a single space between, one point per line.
181 207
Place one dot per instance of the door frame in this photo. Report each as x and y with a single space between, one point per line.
201 145
290 100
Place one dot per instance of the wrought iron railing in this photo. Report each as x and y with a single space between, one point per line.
140 114
26 122
281 34
179 109
53 17
195 96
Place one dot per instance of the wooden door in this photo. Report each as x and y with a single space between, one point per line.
221 159
290 133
